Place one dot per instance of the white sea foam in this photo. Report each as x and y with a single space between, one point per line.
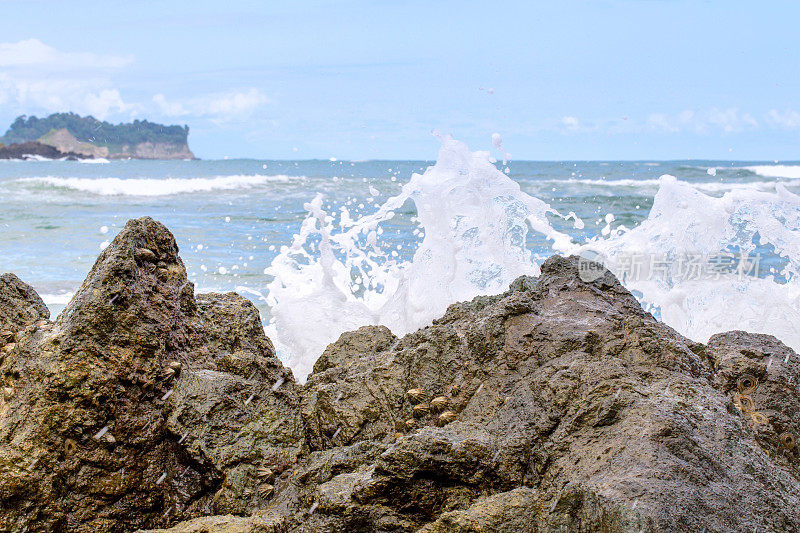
95 161
710 186
336 276
776 171
158 187
57 299
685 222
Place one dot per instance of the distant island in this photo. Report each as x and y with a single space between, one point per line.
70 136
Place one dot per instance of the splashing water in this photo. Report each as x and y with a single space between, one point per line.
707 265
336 276
475 221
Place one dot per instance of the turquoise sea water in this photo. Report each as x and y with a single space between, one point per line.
231 217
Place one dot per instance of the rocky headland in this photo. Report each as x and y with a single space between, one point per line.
559 405
71 136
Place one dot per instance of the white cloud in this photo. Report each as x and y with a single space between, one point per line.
788 119
37 78
34 53
571 123
702 122
221 106
91 96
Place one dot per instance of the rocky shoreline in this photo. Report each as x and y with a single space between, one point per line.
33 149
559 405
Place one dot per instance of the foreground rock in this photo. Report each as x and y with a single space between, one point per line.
559 405
89 423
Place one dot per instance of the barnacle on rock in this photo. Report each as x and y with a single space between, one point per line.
175 365
410 423
265 473
415 395
745 403
438 403
8 393
759 418
266 490
747 383
70 447
420 410
145 254
787 440
446 418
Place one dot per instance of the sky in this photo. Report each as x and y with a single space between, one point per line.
357 79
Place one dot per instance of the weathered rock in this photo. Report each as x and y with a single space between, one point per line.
20 306
90 439
574 410
236 408
566 407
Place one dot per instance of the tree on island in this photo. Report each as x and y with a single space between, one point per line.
89 129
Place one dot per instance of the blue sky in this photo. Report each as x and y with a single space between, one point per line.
601 79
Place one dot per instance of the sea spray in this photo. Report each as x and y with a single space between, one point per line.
336 276
707 264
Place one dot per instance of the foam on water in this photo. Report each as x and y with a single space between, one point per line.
710 186
157 187
776 171
338 274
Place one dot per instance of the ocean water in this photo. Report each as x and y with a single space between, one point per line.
297 236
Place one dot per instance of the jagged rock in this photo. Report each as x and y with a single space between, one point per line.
89 438
236 407
575 410
568 408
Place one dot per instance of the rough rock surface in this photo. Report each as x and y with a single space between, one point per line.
88 424
20 306
559 405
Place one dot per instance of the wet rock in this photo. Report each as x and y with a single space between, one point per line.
224 408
